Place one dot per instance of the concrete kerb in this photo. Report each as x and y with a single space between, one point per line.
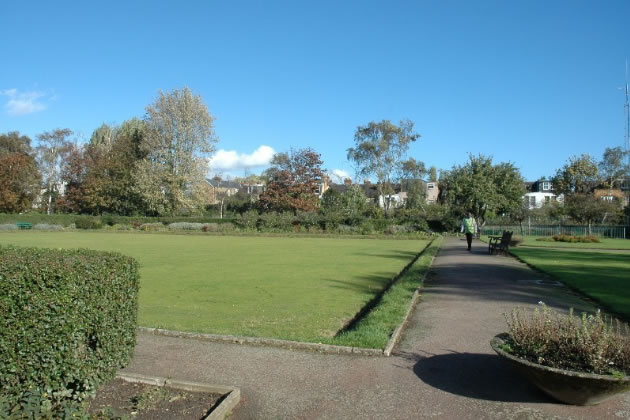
299 345
272 342
399 329
232 395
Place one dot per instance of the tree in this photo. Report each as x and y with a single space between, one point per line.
380 148
52 150
293 182
578 175
613 167
433 176
178 140
346 207
482 187
586 208
19 176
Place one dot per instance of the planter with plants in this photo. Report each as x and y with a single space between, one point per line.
578 360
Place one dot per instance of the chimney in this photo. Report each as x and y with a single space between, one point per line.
347 181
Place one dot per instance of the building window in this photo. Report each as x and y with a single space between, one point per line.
608 197
546 186
547 199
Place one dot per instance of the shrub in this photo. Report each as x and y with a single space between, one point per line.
45 226
248 220
589 343
153 227
185 226
88 223
545 239
575 238
7 226
68 323
273 221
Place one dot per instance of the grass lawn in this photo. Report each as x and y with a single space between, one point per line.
292 288
604 276
605 243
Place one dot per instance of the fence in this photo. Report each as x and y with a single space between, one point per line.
550 230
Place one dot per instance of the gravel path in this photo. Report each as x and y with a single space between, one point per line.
442 368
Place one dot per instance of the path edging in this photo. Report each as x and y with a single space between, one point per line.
414 300
221 411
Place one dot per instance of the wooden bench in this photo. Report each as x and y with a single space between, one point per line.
500 243
24 225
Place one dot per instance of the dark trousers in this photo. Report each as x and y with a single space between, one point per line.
469 239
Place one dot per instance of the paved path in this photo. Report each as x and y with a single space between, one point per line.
443 367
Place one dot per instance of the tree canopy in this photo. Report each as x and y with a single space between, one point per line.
293 182
380 150
482 187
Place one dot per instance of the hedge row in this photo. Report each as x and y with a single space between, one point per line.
68 323
98 221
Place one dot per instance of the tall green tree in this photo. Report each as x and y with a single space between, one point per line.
293 182
578 176
179 138
20 179
613 167
379 151
53 147
482 187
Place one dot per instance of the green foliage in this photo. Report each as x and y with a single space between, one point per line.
589 343
85 223
379 151
571 238
68 323
483 188
579 175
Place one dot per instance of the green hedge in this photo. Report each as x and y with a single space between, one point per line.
68 219
68 322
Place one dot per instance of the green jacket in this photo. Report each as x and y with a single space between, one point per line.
469 225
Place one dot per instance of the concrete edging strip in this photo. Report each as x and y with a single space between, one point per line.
273 342
225 406
399 329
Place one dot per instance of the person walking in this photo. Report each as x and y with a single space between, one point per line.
469 227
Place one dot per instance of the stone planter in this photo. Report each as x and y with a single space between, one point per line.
570 387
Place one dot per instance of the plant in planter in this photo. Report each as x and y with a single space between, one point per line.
578 360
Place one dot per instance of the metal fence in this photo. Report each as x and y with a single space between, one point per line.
550 230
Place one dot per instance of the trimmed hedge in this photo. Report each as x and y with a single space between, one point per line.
68 322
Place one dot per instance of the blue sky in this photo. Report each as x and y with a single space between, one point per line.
530 82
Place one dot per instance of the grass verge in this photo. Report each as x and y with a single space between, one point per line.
602 276
375 329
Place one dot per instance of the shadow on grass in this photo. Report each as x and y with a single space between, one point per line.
397 255
480 376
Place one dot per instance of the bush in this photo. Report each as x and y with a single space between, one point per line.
68 323
248 220
273 221
87 223
185 226
45 226
7 226
589 343
575 238
152 227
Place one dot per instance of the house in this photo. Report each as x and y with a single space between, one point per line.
220 189
398 198
540 193
433 192
612 194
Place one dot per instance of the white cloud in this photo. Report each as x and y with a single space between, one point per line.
338 175
23 103
225 160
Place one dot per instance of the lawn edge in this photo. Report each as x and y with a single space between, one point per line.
584 296
395 337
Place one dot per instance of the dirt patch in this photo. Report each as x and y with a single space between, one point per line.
122 399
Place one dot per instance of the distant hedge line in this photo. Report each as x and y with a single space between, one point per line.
68 322
110 220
